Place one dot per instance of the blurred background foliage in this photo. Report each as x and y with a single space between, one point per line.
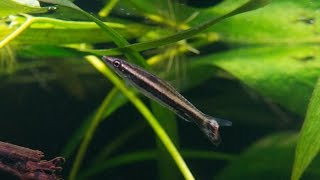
257 69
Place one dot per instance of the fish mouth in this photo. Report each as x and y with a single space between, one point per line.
108 59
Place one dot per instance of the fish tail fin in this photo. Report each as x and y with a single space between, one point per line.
222 122
211 128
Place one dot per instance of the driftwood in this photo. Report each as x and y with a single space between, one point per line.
26 163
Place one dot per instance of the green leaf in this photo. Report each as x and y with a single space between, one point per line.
179 12
46 51
165 12
146 155
10 7
285 74
297 24
166 166
49 31
186 34
269 158
64 3
309 141
114 35
115 100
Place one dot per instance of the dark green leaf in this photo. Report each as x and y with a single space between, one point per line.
285 74
309 141
186 34
271 24
269 158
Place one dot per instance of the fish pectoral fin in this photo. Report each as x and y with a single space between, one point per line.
127 83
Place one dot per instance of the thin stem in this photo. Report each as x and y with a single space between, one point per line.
117 142
18 31
89 134
104 12
186 34
142 156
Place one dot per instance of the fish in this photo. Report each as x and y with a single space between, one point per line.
162 92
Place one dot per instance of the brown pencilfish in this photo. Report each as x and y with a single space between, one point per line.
159 90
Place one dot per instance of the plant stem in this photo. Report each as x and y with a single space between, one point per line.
18 31
89 134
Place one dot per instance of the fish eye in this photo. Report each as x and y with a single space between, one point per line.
116 63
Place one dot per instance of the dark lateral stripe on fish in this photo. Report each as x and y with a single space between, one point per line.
165 94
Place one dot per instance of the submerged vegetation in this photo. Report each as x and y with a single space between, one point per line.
253 62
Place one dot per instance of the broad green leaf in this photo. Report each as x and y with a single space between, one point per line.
285 74
179 12
11 7
271 24
309 141
165 12
268 158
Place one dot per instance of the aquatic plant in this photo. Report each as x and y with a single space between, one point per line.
254 62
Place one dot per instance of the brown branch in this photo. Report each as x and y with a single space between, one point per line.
26 163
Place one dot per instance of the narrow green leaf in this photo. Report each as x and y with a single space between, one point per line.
142 156
118 161
88 126
309 141
89 134
166 166
117 142
250 5
46 51
104 12
51 31
114 35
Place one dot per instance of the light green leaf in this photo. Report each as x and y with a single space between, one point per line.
50 31
166 166
11 7
285 74
271 24
309 141
114 35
